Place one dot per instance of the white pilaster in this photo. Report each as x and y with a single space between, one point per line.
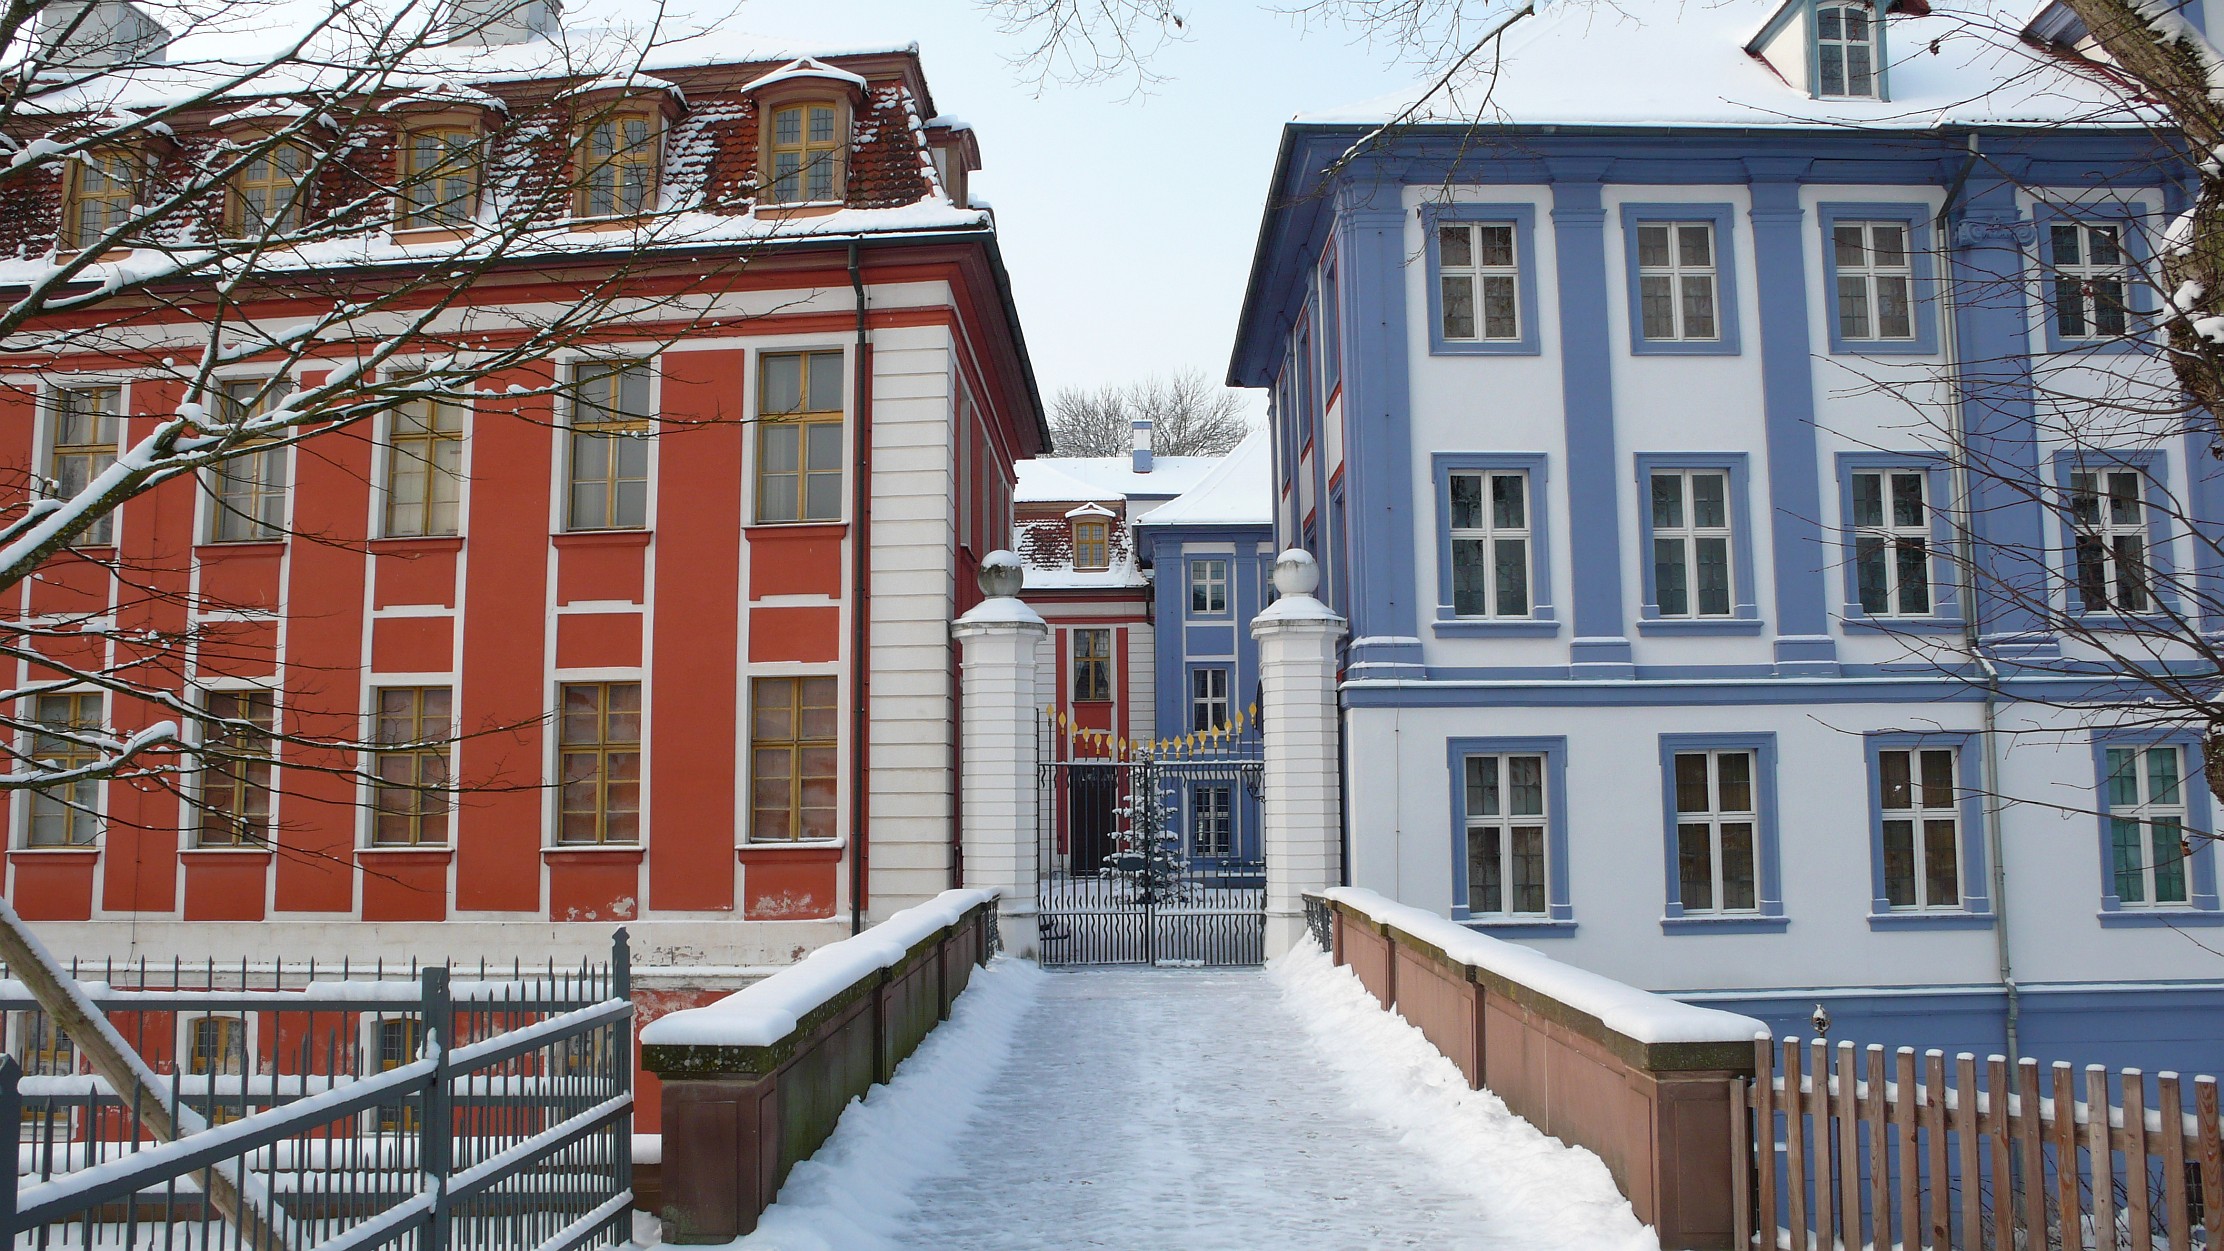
999 716
1303 797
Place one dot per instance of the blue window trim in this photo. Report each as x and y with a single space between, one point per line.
1722 217
1918 220
1542 620
1976 909
1227 587
1523 217
2139 297
1945 589
1878 12
1745 612
1559 918
2201 907
2153 465
1769 918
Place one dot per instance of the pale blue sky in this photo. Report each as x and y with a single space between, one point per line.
1127 221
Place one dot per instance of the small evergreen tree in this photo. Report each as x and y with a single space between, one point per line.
1147 850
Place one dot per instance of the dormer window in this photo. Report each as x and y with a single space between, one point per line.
98 198
1846 51
267 193
807 151
1092 544
619 156
440 178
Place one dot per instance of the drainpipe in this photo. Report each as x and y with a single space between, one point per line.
1972 626
861 600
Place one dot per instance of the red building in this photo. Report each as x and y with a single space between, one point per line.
703 681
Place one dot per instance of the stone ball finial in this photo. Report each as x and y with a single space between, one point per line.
1001 575
1296 572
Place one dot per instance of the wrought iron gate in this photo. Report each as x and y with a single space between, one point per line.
1149 852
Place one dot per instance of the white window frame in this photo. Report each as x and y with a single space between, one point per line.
279 454
388 464
1713 819
650 365
1688 535
102 533
2142 815
25 810
1873 277
2111 532
1491 535
1919 816
1507 825
1678 273
1842 46
1224 813
1210 575
2088 276
1203 700
1888 537
1479 278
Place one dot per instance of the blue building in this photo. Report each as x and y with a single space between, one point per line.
1649 430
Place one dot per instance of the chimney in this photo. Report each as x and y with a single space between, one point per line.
86 36
1142 426
486 22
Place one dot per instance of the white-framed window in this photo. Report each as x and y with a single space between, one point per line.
1876 281
1208 587
1506 822
1717 822
2147 850
2088 278
1676 281
611 413
1892 541
81 445
1491 547
395 1041
1846 51
1692 574
2108 518
217 1047
236 781
1479 275
424 469
43 1049
250 495
1092 664
1212 821
1918 799
67 813
409 802
1208 698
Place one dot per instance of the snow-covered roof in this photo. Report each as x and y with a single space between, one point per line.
1672 63
1238 491
806 67
1073 479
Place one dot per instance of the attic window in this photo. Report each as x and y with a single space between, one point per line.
805 152
101 188
1846 51
440 175
1092 545
618 162
267 193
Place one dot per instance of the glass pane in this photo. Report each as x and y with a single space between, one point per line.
1494 245
1895 786
1888 245
1869 575
1691 782
1482 786
2122 785
2123 499
1470 586
1698 306
2162 775
1511 577
1713 577
2065 241
2124 843
1830 23
2167 849
1669 583
1652 246
1528 869
1941 864
1657 296
1895 317
2092 573
1853 307
826 382
1459 306
777 447
1938 779
2109 313
1913 558
1485 886
1452 247
2105 250
2085 498
1832 61
781 390
1508 509
1899 863
1467 501
1500 321
2130 552
1667 500
1857 65
2069 308
1737 865
1709 500
1734 781
1525 786
1695 868
1695 245
1907 499
1868 499
1849 245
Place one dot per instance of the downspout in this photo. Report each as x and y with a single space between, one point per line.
861 600
1972 626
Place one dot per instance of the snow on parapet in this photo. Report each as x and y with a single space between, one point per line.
1636 1014
762 1014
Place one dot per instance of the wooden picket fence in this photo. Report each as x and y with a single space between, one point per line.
1854 1147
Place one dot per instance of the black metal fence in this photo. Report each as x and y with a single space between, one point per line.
1180 884
360 1108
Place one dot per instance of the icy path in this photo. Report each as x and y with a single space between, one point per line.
1193 1110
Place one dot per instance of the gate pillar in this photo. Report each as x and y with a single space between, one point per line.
1302 789
998 714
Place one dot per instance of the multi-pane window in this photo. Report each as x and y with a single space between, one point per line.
1716 816
2145 796
83 447
2088 276
267 193
599 763
792 772
1092 544
251 487
618 166
1479 281
424 469
409 802
610 417
1208 587
1506 835
440 169
1212 821
1676 281
399 1040
236 772
43 1049
1691 542
1208 699
216 1045
799 436
1845 50
1490 538
1092 664
1876 281
1892 542
102 186
1916 796
2109 520
65 814
806 151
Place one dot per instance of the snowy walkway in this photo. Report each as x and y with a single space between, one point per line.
1194 1110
